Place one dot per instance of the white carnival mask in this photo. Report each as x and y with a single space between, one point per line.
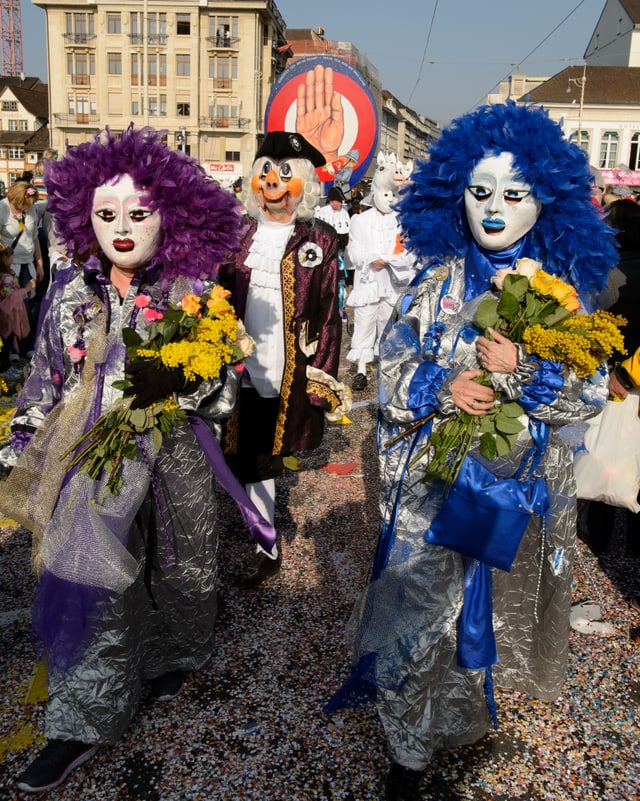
126 228
499 205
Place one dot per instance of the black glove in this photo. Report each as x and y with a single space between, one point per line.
151 383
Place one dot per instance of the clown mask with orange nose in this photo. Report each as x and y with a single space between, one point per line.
283 183
278 187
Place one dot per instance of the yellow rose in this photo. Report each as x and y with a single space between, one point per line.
542 282
218 303
572 304
562 291
191 304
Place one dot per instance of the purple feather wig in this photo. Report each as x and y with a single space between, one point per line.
201 222
570 237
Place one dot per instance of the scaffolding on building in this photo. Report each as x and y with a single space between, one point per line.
11 37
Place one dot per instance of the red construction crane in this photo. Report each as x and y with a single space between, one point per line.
11 37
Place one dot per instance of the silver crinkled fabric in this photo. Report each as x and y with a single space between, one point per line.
100 540
408 616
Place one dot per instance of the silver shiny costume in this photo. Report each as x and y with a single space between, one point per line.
408 615
94 700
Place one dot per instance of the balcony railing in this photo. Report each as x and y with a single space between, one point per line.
77 119
230 42
80 79
152 38
235 123
222 83
79 38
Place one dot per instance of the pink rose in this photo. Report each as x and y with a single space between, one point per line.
142 301
76 354
151 315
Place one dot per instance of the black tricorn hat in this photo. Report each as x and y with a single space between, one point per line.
285 145
335 193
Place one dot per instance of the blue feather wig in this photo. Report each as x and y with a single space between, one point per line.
570 237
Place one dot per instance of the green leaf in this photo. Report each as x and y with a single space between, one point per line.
130 451
156 435
121 384
516 285
511 409
487 314
503 446
169 332
488 446
556 316
508 425
131 338
508 306
138 419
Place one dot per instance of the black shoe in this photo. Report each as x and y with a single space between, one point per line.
403 784
168 686
359 382
259 568
53 764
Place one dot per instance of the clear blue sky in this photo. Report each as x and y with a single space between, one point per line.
441 57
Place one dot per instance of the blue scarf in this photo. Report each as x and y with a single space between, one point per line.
480 265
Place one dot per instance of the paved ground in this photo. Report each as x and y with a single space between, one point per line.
250 726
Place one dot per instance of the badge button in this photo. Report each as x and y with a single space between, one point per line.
450 304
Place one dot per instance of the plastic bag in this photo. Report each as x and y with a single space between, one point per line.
609 470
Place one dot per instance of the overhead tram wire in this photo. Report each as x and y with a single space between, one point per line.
424 52
531 52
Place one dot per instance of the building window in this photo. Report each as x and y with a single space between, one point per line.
157 69
183 64
3 152
114 63
608 150
24 125
222 69
223 29
9 105
80 27
113 22
16 152
80 66
232 155
135 108
163 105
583 143
183 24
135 70
634 155
13 125
153 105
184 109
157 28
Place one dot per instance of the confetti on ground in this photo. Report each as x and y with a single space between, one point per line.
250 727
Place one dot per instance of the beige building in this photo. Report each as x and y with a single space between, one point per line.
200 69
23 127
403 131
597 103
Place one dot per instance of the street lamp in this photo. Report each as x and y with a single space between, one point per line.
580 83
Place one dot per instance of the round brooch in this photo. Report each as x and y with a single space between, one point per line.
310 254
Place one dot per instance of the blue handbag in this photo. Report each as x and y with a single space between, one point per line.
485 517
